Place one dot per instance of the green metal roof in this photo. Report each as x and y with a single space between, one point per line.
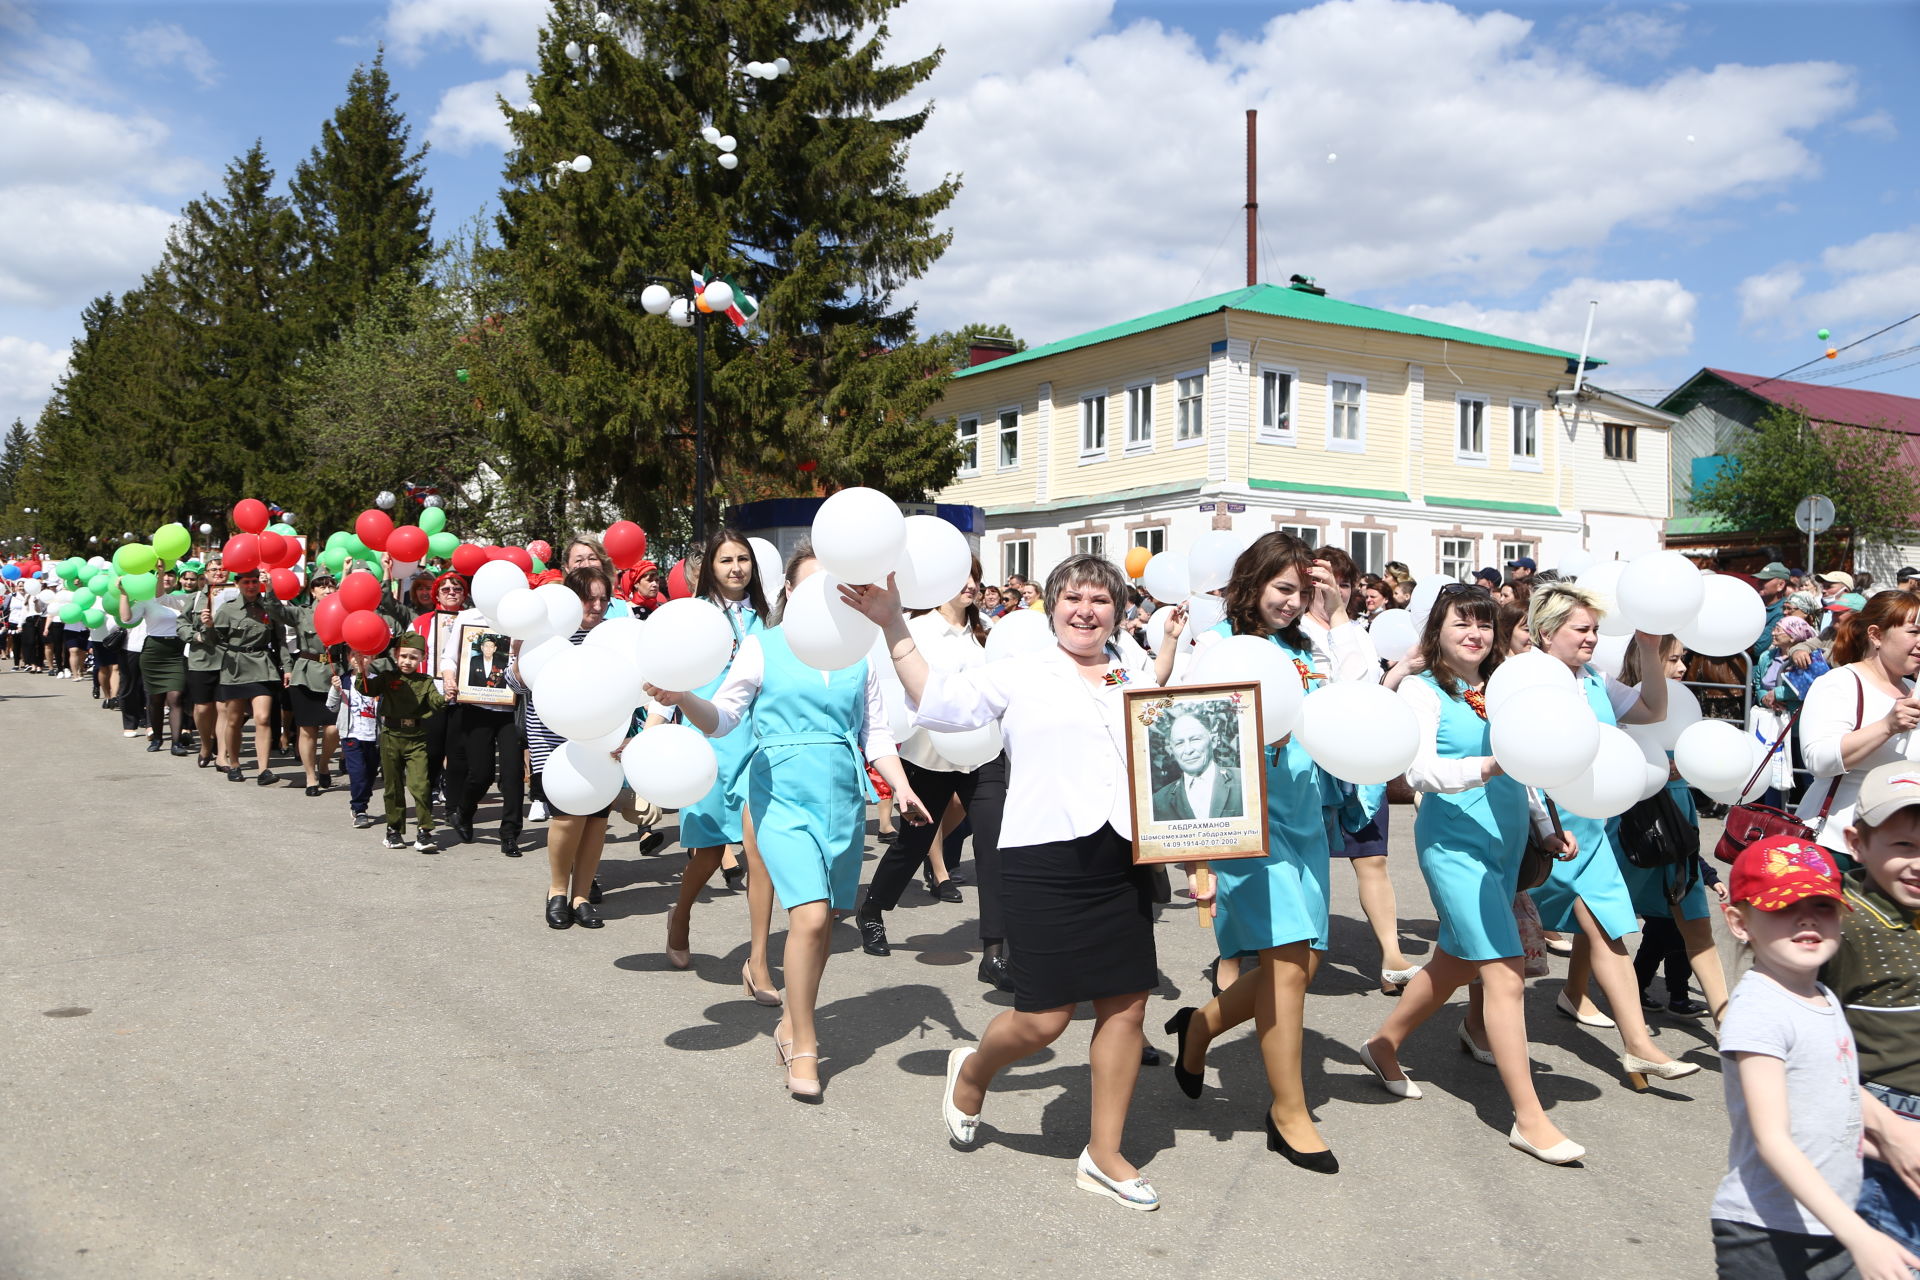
1693 526
1293 304
1495 504
1332 490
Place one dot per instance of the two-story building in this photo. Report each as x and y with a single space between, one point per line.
1270 407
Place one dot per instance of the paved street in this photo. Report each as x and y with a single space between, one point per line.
303 1055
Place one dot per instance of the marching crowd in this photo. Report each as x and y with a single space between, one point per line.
1822 1053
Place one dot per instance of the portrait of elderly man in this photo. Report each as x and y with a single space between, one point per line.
1202 787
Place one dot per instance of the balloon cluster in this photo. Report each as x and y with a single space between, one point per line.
1191 576
1663 593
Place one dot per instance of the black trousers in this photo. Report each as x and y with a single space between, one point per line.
983 795
1662 945
440 741
133 692
490 746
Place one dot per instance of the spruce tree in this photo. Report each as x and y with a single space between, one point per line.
816 221
14 452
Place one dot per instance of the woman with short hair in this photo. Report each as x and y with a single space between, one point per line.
163 670
583 550
248 633
308 679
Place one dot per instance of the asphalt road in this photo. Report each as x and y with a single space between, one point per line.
298 1054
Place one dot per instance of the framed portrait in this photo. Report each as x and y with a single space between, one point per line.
480 666
1196 773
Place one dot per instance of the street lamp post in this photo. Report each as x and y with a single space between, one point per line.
683 305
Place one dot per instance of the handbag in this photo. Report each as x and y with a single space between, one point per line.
1536 861
1747 823
1655 833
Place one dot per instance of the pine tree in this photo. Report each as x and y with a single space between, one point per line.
14 452
362 204
816 221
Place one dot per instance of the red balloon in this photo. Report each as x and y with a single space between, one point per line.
677 588
542 550
374 527
273 548
359 592
626 544
242 553
520 557
329 616
497 553
250 515
467 559
366 632
291 556
408 542
285 584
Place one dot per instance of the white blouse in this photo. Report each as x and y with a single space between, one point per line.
1065 736
160 616
1345 652
1431 771
1836 704
737 692
949 648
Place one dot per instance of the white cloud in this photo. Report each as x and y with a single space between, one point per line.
63 246
496 30
468 115
45 139
1875 124
1621 37
167 44
28 371
1638 320
1873 279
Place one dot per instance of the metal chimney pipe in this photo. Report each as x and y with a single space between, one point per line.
1253 200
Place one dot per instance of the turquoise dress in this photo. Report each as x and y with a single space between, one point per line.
1470 843
1593 875
1281 898
1647 886
714 819
805 779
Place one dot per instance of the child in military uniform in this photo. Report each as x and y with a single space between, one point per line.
407 697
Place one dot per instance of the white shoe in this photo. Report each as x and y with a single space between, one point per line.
539 811
1564 1007
1399 977
1565 1151
1401 1088
1135 1193
962 1129
131 733
1469 1047
1638 1069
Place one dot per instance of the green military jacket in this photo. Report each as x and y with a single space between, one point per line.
405 701
251 640
202 653
311 670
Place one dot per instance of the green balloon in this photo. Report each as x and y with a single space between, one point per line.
99 582
171 541
335 560
85 598
72 613
539 565
372 566
433 520
94 618
353 545
135 557
140 586
1822 335
70 569
441 544
283 529
338 539
110 600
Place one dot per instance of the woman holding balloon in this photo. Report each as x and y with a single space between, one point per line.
247 633
162 657
308 680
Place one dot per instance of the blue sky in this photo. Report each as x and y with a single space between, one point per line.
1725 178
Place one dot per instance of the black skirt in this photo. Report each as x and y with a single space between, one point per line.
1079 920
309 708
246 692
203 687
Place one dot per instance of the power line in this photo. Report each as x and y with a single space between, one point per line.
1870 360
1856 342
1879 373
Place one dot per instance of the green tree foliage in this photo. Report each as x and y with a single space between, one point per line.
817 222
14 452
1785 459
959 343
362 204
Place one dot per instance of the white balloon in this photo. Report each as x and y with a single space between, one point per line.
1251 659
493 580
1394 634
582 164
710 133
1603 581
1655 759
934 563
655 299
1532 669
1358 731
586 693
1575 563
728 160
1156 629
766 558
535 657
1167 577
564 610
1545 736
603 22
1204 613
1425 592
523 615
617 636
972 748
719 294
680 312
572 50
672 765
1731 618
754 68
822 629
1683 709
1210 560
1717 756
685 644
726 142
1612 784
580 778
1660 591
1610 654
1027 631
858 535
782 66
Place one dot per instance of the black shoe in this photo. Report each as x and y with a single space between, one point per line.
873 936
651 844
1684 1008
510 843
1650 1004
993 972
423 842
326 780
268 778
736 877
1149 1056
153 744
205 761
1190 1082
585 916
1311 1161
313 791
593 891
396 838
235 774
559 914
956 877
887 837
361 821
946 891
462 828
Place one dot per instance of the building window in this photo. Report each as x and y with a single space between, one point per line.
1617 440
1093 426
1526 434
1140 418
969 435
1368 547
1470 433
1276 405
1307 533
1456 558
1190 415
1016 558
1090 544
1153 538
1511 551
1346 413
1009 439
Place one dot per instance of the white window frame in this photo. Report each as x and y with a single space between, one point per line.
1001 433
968 441
1315 536
1195 404
1464 560
1284 432
1463 449
1139 395
1090 544
1511 551
1096 453
1373 537
1340 444
1153 537
1007 568
1523 461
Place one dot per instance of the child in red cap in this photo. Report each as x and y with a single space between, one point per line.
1785 1207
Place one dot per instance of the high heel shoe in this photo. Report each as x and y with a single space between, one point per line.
1190 1082
1565 1151
678 957
1398 977
1311 1161
1467 1046
759 995
1401 1088
799 1086
1638 1069
1565 1008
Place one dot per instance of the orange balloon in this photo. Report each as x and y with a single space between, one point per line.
700 301
1832 352
1137 561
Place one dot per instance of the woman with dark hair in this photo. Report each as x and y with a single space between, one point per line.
1470 833
308 682
248 634
806 789
1514 593
162 660
715 822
